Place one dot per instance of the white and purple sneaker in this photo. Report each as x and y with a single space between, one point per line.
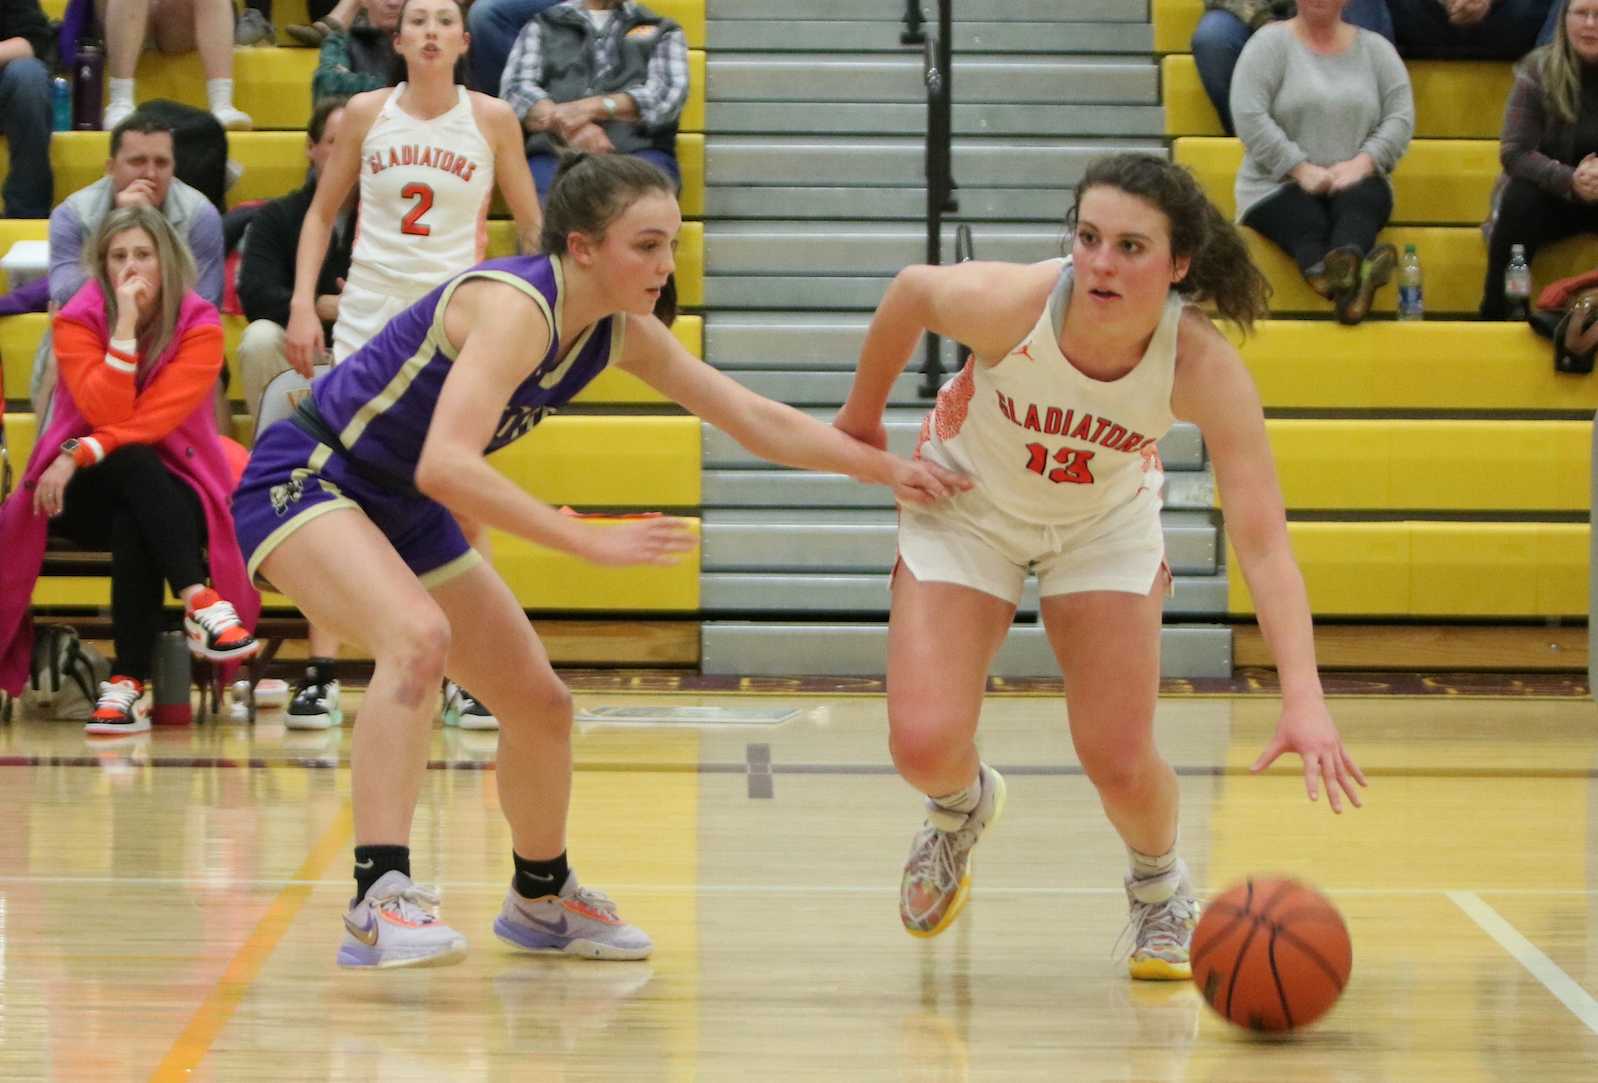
397 924
577 921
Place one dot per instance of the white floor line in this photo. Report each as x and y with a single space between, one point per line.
1556 981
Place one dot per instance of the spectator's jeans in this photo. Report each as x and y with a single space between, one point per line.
25 119
1307 227
1530 216
1219 39
494 25
1422 31
544 166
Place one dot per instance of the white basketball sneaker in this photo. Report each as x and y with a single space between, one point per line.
576 921
397 924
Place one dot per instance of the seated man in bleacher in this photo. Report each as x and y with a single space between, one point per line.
131 461
601 76
25 108
360 58
139 172
176 26
1226 26
1325 111
1472 29
1550 149
266 278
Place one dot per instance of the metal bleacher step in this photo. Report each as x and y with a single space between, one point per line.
993 118
755 248
857 541
775 648
881 34
855 11
900 161
1182 449
880 78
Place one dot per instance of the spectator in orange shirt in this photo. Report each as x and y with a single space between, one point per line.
132 462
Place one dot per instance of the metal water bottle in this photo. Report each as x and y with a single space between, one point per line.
173 677
88 88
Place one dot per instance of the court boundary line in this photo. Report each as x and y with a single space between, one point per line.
1553 977
219 1005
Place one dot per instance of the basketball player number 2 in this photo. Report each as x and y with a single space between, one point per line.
1073 466
412 223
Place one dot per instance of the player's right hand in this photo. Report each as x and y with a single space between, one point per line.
922 482
655 540
303 345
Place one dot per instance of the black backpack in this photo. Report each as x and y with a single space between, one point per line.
199 143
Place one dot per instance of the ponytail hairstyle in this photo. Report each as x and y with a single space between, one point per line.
1220 270
589 192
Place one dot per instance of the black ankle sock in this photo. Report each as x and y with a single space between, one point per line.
535 879
321 670
371 862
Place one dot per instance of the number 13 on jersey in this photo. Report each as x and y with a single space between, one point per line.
1073 468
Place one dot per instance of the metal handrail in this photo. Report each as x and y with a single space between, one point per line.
937 72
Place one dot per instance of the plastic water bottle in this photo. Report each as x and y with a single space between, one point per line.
61 104
173 678
1411 296
1517 284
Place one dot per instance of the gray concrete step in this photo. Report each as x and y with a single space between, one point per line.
788 340
825 388
900 161
793 34
782 545
895 118
771 648
855 248
1135 11
825 77
1182 448
727 593
1189 490
797 292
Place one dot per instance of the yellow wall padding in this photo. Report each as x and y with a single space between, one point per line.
1435 569
545 579
628 461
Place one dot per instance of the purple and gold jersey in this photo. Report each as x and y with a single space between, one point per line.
381 400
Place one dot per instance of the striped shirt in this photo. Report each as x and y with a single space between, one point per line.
660 97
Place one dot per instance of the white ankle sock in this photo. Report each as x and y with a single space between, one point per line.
219 92
121 92
1147 867
965 800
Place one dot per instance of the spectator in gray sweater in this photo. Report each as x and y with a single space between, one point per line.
1325 111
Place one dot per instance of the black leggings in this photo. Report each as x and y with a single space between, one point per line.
1530 216
1307 227
154 527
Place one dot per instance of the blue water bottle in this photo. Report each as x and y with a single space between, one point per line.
61 104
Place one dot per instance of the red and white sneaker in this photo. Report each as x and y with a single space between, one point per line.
214 629
123 707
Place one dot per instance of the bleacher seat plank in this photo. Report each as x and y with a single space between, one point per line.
1447 465
1428 569
1454 99
1435 365
1174 23
1438 182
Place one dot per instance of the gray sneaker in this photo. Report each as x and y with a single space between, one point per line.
253 29
937 874
1160 925
577 921
397 924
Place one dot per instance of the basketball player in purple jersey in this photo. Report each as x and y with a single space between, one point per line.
350 509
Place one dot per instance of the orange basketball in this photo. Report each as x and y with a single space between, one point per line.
1271 954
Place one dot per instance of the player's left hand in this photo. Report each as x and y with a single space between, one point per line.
1309 731
925 483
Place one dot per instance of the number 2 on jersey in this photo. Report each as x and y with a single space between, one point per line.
1073 466
412 222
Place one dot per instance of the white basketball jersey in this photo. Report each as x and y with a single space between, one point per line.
425 191
1047 443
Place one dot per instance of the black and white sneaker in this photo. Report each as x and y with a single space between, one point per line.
314 706
463 709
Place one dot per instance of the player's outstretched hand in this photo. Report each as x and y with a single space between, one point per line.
658 539
303 346
1310 732
925 483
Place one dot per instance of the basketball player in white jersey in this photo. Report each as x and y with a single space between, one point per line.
427 153
1079 367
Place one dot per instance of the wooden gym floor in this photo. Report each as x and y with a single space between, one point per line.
169 908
